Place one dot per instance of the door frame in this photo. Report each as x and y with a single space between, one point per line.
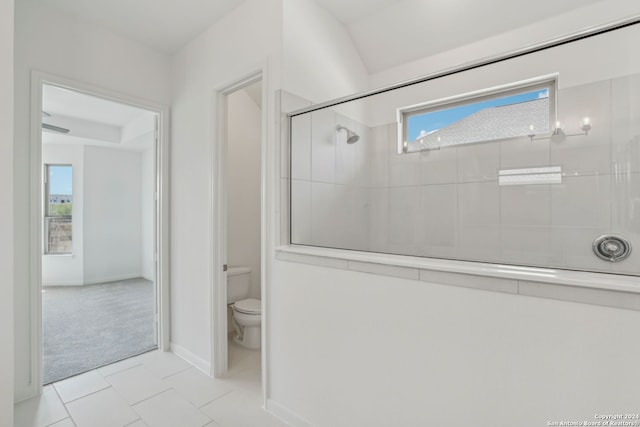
161 232
219 348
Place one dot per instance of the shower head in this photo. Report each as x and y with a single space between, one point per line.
352 137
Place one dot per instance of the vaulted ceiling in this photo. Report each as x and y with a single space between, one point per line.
385 32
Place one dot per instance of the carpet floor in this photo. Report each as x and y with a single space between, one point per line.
86 327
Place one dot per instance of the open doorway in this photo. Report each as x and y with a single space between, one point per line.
99 273
243 228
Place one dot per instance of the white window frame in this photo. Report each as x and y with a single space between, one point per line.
549 81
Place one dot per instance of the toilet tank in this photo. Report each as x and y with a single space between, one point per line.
238 281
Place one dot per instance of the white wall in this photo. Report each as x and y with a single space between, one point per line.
68 270
243 182
235 46
112 214
379 351
320 61
50 41
147 200
6 215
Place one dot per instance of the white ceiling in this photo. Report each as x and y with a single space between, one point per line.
386 32
58 101
392 32
165 25
95 121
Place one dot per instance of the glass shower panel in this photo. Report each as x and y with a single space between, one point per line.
540 199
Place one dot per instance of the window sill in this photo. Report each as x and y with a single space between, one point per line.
577 286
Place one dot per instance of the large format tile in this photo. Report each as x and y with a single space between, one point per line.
120 366
478 162
379 231
301 147
80 386
379 157
404 220
137 384
323 146
525 205
439 166
240 409
41 410
105 408
169 409
626 219
196 387
522 153
625 118
583 201
64 423
404 169
439 220
163 363
590 154
301 212
479 221
346 166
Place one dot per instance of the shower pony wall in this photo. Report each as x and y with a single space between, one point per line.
540 199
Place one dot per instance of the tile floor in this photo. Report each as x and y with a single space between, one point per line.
155 390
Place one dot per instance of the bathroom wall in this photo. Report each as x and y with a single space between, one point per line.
448 203
506 360
51 41
6 215
330 181
239 44
244 157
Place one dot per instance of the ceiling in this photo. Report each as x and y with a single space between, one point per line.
64 102
385 32
165 25
94 120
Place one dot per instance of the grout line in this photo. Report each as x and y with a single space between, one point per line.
151 397
87 395
216 398
63 404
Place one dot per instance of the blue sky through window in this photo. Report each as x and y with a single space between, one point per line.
423 124
60 180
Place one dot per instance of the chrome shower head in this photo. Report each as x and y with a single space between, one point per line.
352 137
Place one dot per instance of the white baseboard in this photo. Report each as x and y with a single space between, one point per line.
52 284
112 279
191 358
95 281
286 415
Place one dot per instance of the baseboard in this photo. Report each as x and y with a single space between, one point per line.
191 358
95 281
286 415
112 279
52 284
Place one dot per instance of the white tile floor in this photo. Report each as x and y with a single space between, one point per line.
153 390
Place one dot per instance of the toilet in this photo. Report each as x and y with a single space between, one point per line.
246 312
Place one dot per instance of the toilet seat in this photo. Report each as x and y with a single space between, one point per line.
248 306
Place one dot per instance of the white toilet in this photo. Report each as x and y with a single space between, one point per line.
247 312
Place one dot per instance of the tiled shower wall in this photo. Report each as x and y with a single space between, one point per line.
330 182
448 204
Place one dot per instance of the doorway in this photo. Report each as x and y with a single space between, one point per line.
238 222
101 278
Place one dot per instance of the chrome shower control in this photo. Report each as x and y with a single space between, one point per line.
610 247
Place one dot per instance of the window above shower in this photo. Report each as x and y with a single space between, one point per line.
527 161
507 111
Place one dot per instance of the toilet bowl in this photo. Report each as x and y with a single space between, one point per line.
247 320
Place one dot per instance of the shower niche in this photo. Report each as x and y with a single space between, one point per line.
525 161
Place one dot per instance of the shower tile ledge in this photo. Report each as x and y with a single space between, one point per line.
418 267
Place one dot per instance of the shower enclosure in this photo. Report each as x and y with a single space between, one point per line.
530 160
